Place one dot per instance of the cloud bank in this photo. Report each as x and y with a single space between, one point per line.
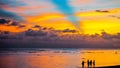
46 38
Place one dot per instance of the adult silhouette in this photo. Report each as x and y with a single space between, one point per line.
83 63
88 63
93 63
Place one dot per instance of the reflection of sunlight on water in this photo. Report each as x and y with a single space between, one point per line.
103 57
57 58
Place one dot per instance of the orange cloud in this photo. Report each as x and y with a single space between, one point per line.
55 20
14 28
9 28
44 16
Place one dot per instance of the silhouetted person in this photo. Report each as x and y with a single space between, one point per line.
83 63
93 63
88 63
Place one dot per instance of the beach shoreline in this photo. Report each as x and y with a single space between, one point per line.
114 66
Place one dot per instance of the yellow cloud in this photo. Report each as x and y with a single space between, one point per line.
55 20
94 22
44 16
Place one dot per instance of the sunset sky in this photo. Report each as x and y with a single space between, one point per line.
63 16
80 14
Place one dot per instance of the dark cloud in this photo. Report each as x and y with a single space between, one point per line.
31 32
4 21
7 14
8 22
68 30
40 27
36 26
105 35
41 38
64 31
21 26
104 11
14 23
44 28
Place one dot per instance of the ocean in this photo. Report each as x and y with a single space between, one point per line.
57 57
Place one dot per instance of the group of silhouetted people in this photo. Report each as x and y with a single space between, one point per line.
90 63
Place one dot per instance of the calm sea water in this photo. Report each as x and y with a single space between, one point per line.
57 57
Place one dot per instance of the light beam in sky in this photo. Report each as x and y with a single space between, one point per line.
65 8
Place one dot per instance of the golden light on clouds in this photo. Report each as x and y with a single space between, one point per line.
90 27
90 21
14 28
58 24
10 28
95 22
56 20
44 17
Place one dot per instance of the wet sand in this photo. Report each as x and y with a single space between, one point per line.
116 66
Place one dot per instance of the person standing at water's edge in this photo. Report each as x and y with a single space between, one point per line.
93 63
83 63
88 63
